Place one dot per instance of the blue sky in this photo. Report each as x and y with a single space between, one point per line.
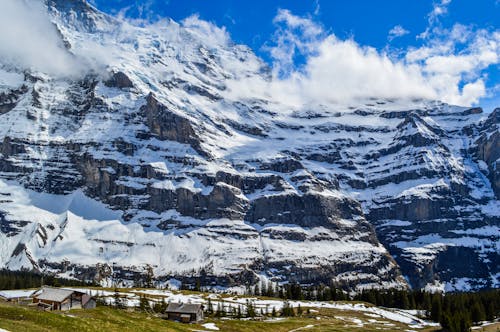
367 22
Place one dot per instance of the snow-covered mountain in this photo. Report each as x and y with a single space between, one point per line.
172 150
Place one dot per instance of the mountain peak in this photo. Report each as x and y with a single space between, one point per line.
79 15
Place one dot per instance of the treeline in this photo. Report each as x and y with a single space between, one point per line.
27 279
456 312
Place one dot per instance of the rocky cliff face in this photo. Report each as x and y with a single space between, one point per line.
158 161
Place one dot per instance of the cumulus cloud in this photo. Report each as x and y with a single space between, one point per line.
449 66
458 57
397 31
30 40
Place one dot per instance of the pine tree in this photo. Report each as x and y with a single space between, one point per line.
436 308
238 313
257 290
250 309
218 311
427 303
223 310
210 308
144 304
477 312
163 305
287 310
465 323
117 299
149 276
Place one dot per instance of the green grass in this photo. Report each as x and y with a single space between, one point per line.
18 318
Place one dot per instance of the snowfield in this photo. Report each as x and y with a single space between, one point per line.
177 151
371 313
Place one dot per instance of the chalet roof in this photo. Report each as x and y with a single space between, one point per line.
54 294
16 293
183 308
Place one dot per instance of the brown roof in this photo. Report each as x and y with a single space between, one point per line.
183 308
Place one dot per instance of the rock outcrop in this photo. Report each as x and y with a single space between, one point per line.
162 166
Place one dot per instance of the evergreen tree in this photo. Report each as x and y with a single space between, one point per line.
250 309
160 307
287 310
477 312
218 311
223 310
118 299
436 308
256 290
426 303
149 276
210 309
238 313
404 301
144 304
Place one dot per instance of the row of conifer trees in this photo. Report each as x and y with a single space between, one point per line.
27 279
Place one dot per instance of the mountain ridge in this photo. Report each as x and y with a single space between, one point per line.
193 167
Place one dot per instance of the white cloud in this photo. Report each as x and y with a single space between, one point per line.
456 57
294 35
397 31
29 40
440 8
450 66
343 70
209 32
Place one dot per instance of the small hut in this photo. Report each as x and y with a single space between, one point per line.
50 298
19 296
185 312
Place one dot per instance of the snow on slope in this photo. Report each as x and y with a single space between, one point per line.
75 228
247 178
229 303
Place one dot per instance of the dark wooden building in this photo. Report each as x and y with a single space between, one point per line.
50 298
185 312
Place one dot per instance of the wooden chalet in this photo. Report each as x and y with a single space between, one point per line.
50 298
185 312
